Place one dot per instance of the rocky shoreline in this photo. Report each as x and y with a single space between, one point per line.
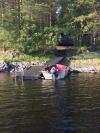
85 66
15 66
88 66
87 69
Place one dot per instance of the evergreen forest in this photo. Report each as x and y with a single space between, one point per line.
31 26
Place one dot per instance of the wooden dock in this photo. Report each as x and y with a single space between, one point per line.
33 72
65 47
55 61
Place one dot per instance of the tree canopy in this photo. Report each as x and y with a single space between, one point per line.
31 25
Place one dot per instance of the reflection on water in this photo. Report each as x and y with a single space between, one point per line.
46 106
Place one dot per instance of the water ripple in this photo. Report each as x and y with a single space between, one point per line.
45 106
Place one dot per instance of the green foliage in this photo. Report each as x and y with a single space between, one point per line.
87 55
32 26
37 40
25 57
83 50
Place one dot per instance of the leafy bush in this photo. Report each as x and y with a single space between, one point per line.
83 50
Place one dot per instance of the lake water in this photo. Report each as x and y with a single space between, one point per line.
45 106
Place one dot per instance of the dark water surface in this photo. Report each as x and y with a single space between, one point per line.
45 106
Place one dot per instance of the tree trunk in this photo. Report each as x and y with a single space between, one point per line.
50 15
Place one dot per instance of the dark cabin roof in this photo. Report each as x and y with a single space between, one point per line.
65 41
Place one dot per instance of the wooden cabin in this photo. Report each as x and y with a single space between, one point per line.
65 44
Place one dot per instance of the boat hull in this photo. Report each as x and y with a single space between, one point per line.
49 76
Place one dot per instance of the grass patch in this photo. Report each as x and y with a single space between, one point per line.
24 57
87 55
